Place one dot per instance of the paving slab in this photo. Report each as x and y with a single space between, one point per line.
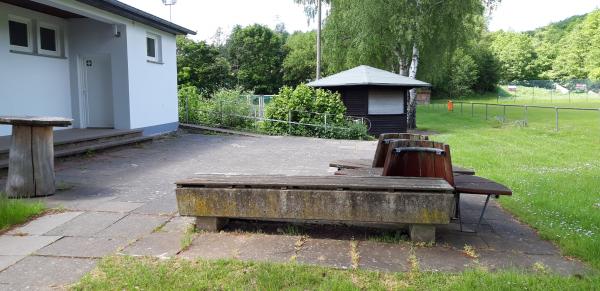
443 259
44 224
326 252
388 257
162 206
117 206
38 271
560 265
159 244
133 226
23 245
83 247
497 260
268 248
7 261
86 224
460 240
215 246
178 224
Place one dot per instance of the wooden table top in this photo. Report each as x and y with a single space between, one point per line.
36 120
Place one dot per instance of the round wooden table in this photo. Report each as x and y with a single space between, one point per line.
31 156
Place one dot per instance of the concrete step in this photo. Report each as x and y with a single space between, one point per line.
98 146
75 143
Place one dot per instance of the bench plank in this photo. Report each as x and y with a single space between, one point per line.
366 163
479 185
318 182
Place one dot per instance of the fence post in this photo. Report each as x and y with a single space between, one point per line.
290 122
472 114
221 111
504 114
486 111
526 122
187 108
461 108
325 123
556 109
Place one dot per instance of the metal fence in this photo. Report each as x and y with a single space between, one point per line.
522 115
549 91
248 114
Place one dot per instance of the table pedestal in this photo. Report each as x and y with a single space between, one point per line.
31 162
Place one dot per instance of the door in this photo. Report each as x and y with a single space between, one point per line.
97 92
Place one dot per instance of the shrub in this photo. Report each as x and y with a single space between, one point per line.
225 108
316 107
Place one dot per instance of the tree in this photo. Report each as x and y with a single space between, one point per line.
300 62
397 34
256 55
516 55
313 8
200 65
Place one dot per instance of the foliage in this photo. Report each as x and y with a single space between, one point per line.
311 106
256 55
201 65
516 54
299 65
225 108
15 211
463 74
129 273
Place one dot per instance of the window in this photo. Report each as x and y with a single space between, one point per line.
19 30
153 48
386 101
48 40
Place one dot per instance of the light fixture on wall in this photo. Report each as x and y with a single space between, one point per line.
116 32
169 3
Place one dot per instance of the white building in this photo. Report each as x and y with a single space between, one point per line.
101 62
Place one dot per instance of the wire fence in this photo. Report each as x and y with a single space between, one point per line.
246 114
555 117
549 91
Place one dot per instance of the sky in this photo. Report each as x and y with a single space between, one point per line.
206 17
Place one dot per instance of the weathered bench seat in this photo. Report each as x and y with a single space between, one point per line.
421 203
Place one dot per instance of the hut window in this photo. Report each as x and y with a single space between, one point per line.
386 101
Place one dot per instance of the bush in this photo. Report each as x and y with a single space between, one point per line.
317 107
225 108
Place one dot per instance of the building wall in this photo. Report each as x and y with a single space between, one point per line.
152 85
356 99
32 84
101 42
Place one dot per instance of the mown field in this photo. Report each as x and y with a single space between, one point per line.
555 175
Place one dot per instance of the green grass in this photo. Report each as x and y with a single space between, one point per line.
555 176
128 273
14 211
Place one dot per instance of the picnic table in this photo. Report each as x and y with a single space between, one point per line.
31 155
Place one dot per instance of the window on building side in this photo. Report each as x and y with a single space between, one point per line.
19 34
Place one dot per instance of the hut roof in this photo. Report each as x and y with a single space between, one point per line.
365 75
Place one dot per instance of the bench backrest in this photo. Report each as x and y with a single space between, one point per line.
383 145
409 158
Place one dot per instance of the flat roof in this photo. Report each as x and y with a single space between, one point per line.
122 9
365 75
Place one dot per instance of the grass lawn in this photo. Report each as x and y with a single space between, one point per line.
14 211
127 273
555 175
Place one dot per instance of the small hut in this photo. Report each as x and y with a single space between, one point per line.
378 95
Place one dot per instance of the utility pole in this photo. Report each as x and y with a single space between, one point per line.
318 39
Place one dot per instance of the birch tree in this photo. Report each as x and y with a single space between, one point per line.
401 36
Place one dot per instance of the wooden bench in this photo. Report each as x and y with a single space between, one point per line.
433 159
381 151
422 203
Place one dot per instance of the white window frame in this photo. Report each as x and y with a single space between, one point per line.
28 22
57 40
386 102
157 47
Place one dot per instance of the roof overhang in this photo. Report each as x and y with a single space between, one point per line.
130 12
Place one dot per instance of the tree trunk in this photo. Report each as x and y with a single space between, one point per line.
412 102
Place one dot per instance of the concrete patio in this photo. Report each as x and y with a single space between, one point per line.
123 202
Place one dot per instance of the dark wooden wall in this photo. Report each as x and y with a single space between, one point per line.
356 99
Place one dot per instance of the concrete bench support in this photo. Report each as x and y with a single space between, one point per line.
211 223
422 232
